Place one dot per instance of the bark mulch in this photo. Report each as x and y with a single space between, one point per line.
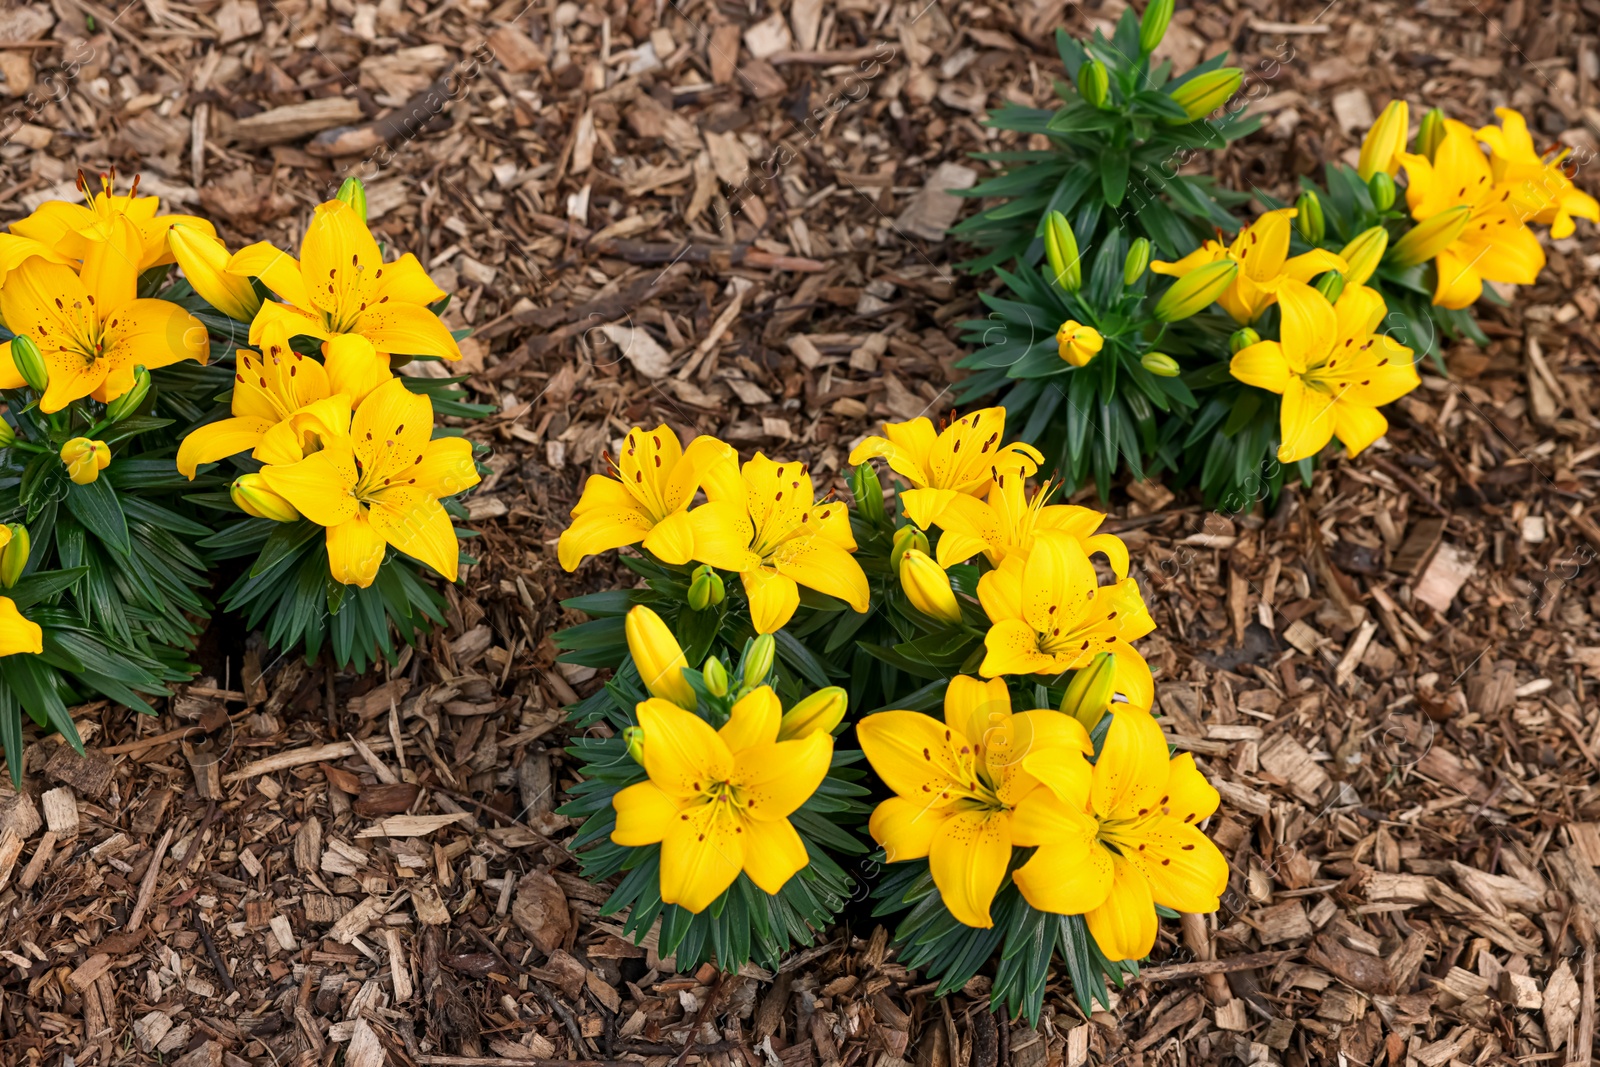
1392 677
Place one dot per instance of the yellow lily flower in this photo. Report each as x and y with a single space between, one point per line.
1006 522
957 785
381 483
268 390
1541 189
18 634
90 327
342 292
204 261
658 657
1113 848
1078 344
1050 614
766 526
719 801
648 500
71 230
1262 252
957 459
1332 370
1493 244
85 459
1383 143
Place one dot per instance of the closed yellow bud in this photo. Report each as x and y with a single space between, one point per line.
1196 291
905 539
14 556
8 436
1430 236
758 659
1160 364
204 260
818 713
658 657
1201 95
1077 343
1381 148
927 586
250 493
1364 254
85 459
1089 693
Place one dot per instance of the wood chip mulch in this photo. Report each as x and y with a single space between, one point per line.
1393 677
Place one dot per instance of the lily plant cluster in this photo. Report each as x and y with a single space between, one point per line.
1104 365
1028 807
137 353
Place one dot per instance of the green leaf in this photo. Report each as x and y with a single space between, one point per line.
283 542
96 506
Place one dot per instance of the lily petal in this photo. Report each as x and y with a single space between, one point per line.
968 860
644 814
1124 926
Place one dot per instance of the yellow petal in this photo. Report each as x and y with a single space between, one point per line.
1357 426
968 859
672 539
446 466
773 597
644 814
905 828
658 657
1309 327
405 281
1183 868
910 752
775 779
319 486
1190 798
722 535
18 634
417 524
154 333
408 330
1130 776
355 551
339 260
773 853
974 709
1124 926
600 530
1051 747
701 854
1460 284
753 720
204 261
1012 647
1066 879
1000 590
278 271
218 440
305 430
355 367
1044 818
819 564
111 266
1305 421
682 753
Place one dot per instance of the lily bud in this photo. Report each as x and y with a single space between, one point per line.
868 491
658 656
1153 24
129 402
1061 252
758 659
29 363
1430 133
204 260
1196 291
1160 364
1308 218
1364 254
14 556
1138 261
250 493
1241 339
927 586
1200 96
716 677
818 713
354 193
634 736
906 539
1330 285
8 436
1077 343
706 588
1381 147
1430 236
1093 83
85 459
1089 693
1381 188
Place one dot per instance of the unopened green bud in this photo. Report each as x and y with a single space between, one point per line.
758 659
868 491
1153 24
1203 94
706 588
1089 692
29 363
1160 364
1094 83
1242 339
8 436
1196 291
905 539
1381 188
129 402
818 713
14 556
1138 261
1430 133
354 193
1308 218
1061 252
1330 285
634 736
716 677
